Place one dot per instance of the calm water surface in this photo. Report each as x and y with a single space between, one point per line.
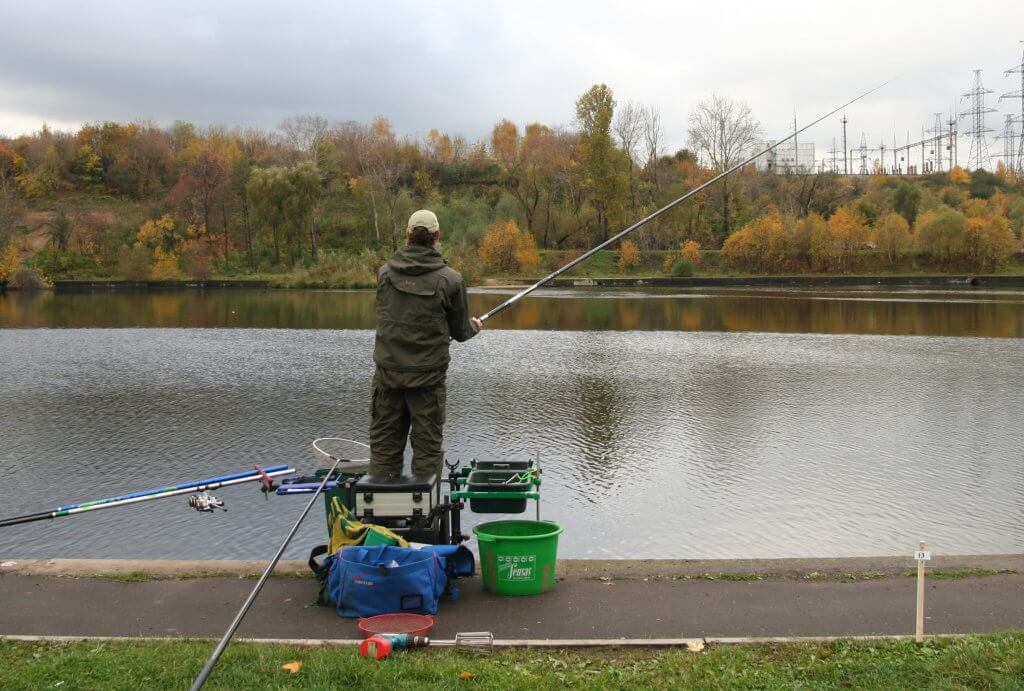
722 423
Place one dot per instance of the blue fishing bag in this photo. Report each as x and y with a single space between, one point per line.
366 581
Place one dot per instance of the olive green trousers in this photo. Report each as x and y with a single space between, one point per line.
397 414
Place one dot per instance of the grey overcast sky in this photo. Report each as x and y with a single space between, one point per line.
460 66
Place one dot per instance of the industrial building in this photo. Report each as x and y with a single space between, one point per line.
788 157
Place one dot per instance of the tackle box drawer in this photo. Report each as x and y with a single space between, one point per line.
400 497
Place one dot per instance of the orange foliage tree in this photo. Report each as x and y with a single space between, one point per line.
759 246
507 248
629 255
959 176
691 251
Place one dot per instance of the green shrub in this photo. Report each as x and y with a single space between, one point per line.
682 267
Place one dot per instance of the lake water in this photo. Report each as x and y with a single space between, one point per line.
682 424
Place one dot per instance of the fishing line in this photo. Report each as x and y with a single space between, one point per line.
647 219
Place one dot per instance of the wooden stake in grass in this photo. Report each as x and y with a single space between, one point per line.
922 556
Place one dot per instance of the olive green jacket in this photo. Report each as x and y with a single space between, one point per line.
421 306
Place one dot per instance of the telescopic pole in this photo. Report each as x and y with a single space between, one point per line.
647 219
146 495
226 638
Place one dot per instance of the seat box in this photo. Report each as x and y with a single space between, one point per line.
407 496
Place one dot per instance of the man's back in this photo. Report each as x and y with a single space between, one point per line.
421 305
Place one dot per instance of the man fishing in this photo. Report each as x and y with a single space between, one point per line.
421 306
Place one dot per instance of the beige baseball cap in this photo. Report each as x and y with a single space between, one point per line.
424 219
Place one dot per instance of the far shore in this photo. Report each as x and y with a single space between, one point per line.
708 281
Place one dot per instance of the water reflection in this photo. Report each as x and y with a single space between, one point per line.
836 311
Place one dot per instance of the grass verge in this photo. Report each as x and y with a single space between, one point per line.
991 662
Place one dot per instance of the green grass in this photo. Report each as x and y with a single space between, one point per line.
956 574
143 576
813 576
989 662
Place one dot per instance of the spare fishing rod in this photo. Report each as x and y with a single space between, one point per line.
647 219
226 638
155 493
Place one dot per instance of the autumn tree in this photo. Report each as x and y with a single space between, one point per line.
207 166
959 176
7 158
594 112
892 237
988 242
304 132
940 234
628 126
629 255
757 247
506 248
690 251
269 190
382 165
722 131
849 233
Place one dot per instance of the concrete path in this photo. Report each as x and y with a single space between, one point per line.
592 600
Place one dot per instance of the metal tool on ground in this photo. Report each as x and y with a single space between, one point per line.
204 502
204 674
380 646
647 219
146 495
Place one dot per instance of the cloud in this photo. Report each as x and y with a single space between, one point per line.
462 66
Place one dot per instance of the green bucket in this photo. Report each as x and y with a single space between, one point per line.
518 557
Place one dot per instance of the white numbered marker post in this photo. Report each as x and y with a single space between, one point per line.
921 555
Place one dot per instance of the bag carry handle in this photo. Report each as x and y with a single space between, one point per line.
314 553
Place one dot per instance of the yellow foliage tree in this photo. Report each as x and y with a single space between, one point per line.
849 232
988 242
158 233
527 255
691 251
892 237
629 255
939 234
959 176
759 246
165 265
507 248
10 262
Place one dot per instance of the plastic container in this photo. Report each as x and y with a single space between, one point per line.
498 481
518 557
412 624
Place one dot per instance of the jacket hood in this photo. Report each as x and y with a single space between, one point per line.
414 260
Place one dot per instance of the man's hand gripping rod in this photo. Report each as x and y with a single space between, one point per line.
615 238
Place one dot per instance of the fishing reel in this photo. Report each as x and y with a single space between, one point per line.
204 502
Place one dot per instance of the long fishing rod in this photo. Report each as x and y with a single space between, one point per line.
148 494
226 638
647 219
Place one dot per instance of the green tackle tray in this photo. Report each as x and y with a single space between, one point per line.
489 491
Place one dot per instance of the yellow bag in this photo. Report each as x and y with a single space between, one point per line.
346 531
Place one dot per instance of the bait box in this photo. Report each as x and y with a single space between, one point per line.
497 482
